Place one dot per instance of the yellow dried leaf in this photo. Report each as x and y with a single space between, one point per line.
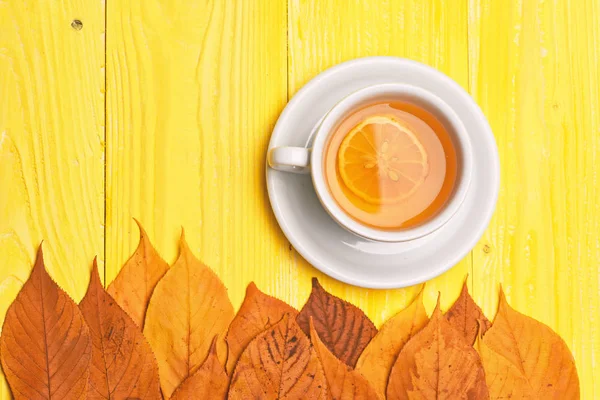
343 382
133 286
532 349
188 308
378 358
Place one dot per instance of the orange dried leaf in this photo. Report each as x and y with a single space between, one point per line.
279 363
376 362
466 316
123 365
342 327
504 380
133 286
524 345
45 344
188 308
343 382
437 364
210 381
257 313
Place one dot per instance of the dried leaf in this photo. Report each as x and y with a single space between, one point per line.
532 349
9 289
135 283
257 313
466 316
342 327
279 363
45 344
504 380
343 382
210 381
376 362
188 308
123 365
437 364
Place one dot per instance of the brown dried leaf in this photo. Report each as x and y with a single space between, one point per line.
519 345
437 364
257 313
376 362
133 286
210 381
342 327
466 316
279 363
343 382
123 365
45 344
188 308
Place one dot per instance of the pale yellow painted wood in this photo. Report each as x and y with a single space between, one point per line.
323 33
51 143
535 72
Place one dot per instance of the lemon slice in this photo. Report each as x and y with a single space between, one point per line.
382 161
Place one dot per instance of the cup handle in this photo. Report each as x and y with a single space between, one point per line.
290 159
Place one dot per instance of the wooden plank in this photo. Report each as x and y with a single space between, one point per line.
323 33
51 143
194 89
535 73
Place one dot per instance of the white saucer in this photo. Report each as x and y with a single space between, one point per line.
339 253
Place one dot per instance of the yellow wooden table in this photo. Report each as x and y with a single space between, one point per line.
162 110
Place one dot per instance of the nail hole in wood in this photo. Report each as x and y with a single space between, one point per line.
77 25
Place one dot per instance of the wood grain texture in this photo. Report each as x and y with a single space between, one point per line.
51 143
535 71
194 89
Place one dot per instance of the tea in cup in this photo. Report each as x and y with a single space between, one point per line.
390 162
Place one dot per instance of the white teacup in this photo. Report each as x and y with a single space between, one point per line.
310 160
